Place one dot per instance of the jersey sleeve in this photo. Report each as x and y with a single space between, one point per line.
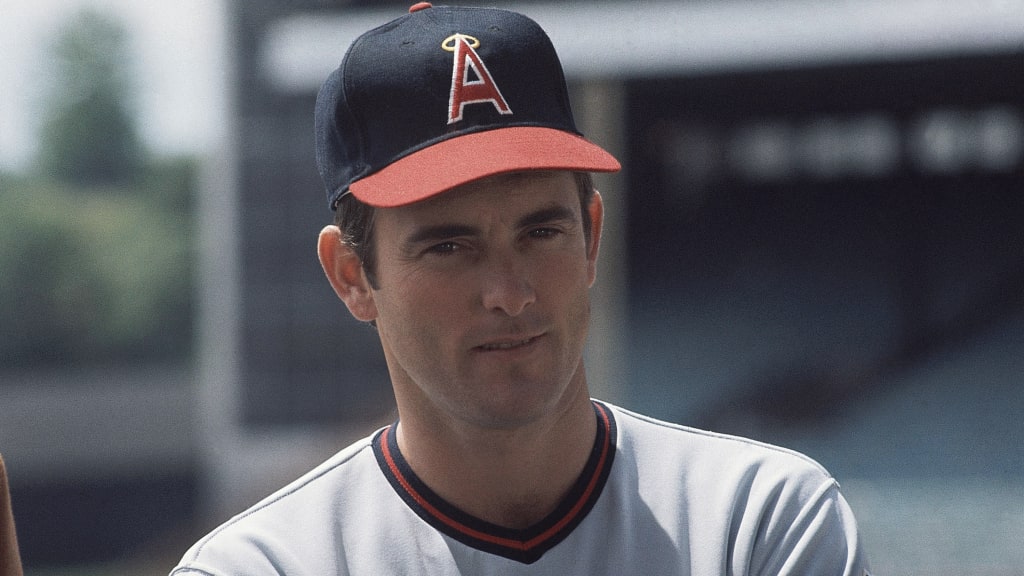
822 540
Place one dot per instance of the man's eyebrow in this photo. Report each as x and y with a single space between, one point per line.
439 232
547 215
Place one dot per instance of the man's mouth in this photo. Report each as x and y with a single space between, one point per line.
506 345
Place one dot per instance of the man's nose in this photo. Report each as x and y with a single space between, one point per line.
506 286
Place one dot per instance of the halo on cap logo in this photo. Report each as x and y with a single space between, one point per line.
449 44
466 90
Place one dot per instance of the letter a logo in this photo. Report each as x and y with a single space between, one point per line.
466 90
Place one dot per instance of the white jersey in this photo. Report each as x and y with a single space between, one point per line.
654 498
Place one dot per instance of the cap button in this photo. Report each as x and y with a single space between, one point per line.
420 6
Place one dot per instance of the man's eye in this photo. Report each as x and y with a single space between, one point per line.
443 248
543 233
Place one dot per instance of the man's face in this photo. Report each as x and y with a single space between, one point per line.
483 300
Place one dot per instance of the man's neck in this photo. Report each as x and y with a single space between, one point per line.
511 478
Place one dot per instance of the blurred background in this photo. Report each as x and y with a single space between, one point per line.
817 241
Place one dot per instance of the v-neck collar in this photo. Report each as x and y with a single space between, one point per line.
522 545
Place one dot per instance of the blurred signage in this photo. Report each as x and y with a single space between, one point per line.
774 215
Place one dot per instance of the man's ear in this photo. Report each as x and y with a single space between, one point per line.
344 270
596 209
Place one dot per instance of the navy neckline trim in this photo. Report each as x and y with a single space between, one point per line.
526 545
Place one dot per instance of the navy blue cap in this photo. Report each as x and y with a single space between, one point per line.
443 96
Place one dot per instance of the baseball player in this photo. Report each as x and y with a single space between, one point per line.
467 231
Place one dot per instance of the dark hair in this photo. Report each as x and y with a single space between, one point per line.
355 219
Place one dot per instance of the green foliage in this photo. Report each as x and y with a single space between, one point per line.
94 276
89 135
96 250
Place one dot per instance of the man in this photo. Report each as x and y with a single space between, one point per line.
467 233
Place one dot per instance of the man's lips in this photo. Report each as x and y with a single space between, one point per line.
507 344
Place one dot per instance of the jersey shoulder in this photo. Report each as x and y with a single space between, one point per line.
697 449
749 503
315 499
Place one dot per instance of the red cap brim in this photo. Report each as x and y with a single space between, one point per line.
457 161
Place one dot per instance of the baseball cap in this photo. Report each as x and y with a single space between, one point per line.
443 96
